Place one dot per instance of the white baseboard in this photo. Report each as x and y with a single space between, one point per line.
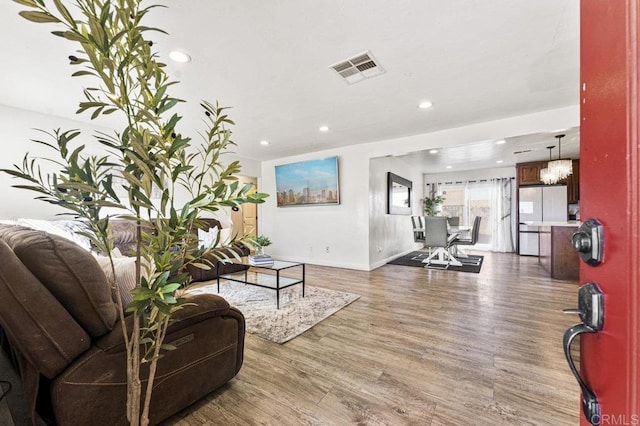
347 265
383 262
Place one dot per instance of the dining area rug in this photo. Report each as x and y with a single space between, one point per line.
471 264
296 315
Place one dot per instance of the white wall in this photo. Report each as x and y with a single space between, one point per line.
16 131
249 167
303 233
391 234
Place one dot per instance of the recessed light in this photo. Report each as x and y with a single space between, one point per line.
500 161
500 142
324 128
449 167
180 56
264 143
433 151
425 105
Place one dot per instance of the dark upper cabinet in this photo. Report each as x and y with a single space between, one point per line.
573 184
529 173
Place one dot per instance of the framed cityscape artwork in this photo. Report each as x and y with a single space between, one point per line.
313 182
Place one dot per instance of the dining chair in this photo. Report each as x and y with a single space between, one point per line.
453 221
418 229
437 237
475 234
416 221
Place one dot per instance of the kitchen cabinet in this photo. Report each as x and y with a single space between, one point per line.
529 173
573 184
528 176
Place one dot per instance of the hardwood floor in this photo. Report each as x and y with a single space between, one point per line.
422 347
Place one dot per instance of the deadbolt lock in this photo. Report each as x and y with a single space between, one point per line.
588 242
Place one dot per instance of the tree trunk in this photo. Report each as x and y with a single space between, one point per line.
144 419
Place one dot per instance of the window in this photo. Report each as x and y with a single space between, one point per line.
491 200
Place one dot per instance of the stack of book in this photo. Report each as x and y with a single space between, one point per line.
260 260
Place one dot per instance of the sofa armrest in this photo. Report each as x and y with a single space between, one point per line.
209 342
212 258
199 307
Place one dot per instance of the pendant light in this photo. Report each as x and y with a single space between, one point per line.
556 170
546 176
560 168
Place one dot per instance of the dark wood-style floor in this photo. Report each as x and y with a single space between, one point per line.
420 347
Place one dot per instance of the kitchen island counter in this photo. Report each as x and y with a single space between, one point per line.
570 223
556 250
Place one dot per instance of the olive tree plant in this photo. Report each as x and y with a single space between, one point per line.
149 159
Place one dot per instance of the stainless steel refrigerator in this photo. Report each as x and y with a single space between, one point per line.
539 204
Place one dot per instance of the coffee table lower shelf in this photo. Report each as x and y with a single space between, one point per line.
272 281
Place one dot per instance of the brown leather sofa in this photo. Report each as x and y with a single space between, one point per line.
124 237
63 332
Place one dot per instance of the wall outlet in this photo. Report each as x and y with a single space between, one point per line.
326 249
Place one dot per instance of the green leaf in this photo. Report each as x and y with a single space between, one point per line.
40 17
83 72
64 12
201 266
170 288
168 347
169 299
30 3
74 36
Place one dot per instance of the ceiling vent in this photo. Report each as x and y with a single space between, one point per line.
522 152
358 68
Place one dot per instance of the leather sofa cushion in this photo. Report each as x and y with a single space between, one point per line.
69 272
40 328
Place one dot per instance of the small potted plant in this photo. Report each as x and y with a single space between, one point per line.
433 205
260 243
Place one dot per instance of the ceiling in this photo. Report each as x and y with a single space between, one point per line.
491 153
269 61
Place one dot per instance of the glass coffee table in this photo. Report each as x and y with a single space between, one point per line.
266 276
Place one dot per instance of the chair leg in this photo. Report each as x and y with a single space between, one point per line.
441 256
458 252
429 249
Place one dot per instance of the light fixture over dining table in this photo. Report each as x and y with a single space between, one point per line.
556 170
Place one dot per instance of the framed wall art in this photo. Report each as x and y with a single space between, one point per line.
313 182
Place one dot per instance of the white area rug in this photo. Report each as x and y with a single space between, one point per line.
296 315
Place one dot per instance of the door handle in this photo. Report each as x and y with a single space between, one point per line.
588 242
591 312
590 404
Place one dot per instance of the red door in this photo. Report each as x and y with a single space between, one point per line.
609 169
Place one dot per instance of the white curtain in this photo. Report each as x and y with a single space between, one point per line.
490 199
502 237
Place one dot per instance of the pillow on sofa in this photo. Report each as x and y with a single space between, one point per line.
125 279
225 236
208 238
63 228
